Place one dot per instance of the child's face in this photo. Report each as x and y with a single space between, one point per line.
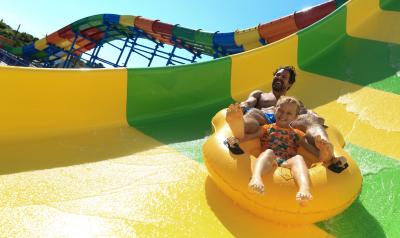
285 114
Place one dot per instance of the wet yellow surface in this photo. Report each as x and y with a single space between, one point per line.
117 182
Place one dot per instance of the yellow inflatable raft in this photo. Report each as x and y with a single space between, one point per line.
332 192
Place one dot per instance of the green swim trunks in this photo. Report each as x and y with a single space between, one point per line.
280 161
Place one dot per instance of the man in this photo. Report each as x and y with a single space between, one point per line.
259 108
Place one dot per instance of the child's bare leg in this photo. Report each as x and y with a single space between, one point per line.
234 118
300 173
263 164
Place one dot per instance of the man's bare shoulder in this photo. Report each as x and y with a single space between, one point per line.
268 95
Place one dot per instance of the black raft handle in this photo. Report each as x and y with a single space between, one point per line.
233 146
338 167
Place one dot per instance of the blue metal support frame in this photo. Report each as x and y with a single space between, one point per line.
139 32
51 51
11 59
132 49
195 55
66 63
113 32
98 46
171 55
122 51
152 55
95 54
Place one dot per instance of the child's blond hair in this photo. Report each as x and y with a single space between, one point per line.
289 100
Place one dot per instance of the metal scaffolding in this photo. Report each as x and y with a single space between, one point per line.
67 58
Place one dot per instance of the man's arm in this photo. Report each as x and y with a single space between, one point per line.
308 147
233 142
251 101
303 109
251 136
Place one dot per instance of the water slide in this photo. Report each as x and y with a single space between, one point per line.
87 35
117 152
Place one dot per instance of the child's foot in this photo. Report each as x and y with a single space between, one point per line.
234 118
256 185
303 196
325 150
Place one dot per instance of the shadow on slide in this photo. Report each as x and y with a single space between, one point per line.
355 222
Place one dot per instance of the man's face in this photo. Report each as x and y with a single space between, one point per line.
280 82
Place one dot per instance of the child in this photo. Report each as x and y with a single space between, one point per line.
279 142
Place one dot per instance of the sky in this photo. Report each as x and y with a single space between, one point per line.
41 17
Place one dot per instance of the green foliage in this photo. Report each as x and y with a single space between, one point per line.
3 25
19 38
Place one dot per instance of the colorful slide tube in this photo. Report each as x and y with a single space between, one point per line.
85 34
117 153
